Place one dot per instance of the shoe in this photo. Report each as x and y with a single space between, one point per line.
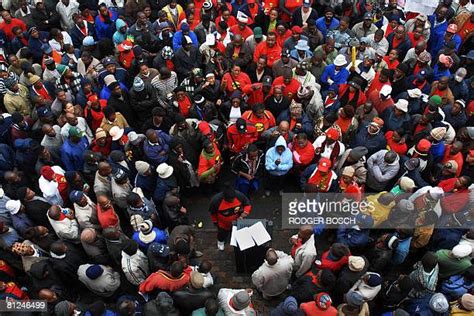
268 193
220 245
198 254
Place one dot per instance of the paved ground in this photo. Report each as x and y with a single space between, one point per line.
223 261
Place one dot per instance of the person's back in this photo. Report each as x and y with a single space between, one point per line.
273 275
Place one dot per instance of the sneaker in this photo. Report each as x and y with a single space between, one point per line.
220 245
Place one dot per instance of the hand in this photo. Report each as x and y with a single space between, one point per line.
218 102
183 210
243 215
275 133
180 158
299 126
352 69
206 84
162 153
277 162
317 151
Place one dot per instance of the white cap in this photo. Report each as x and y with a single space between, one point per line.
13 206
386 90
402 105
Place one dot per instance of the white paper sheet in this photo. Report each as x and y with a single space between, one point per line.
259 233
233 241
244 239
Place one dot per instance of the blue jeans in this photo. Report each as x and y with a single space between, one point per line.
245 186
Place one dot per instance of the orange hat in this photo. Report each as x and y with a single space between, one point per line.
324 165
332 133
423 146
378 121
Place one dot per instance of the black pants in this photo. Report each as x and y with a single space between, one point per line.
222 234
274 183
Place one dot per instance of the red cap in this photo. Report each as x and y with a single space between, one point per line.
297 29
423 145
93 98
250 1
332 133
324 165
47 172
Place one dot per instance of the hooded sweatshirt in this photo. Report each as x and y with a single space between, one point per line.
119 37
285 158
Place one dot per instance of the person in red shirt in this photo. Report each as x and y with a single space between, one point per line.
303 152
226 16
258 92
101 144
416 36
453 152
126 55
226 207
392 59
289 84
234 80
106 214
381 99
261 118
9 23
282 34
351 93
241 28
93 113
269 48
177 278
240 135
321 306
184 101
456 194
381 78
395 141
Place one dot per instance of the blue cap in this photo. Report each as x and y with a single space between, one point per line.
75 196
88 41
44 112
94 271
46 49
159 249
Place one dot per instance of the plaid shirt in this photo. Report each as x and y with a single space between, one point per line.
75 85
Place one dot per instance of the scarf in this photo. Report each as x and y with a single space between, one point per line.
334 153
427 280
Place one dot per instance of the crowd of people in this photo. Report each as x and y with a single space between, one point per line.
116 113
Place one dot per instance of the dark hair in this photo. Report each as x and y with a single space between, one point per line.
176 269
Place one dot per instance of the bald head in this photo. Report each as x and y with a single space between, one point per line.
271 257
48 295
104 168
54 212
88 235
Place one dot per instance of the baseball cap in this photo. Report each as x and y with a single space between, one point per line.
324 165
241 125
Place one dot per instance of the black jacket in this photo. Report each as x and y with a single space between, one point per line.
124 107
240 165
143 102
184 63
188 299
77 36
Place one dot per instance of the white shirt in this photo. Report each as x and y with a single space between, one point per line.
57 46
81 125
328 149
66 13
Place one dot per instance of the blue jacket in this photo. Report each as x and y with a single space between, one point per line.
35 45
437 151
121 75
400 254
152 151
371 142
118 36
286 159
178 38
353 237
77 36
460 90
105 92
392 122
321 25
455 287
7 159
283 309
160 237
163 186
305 121
330 73
457 121
21 222
72 154
438 73
437 35
146 183
103 30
